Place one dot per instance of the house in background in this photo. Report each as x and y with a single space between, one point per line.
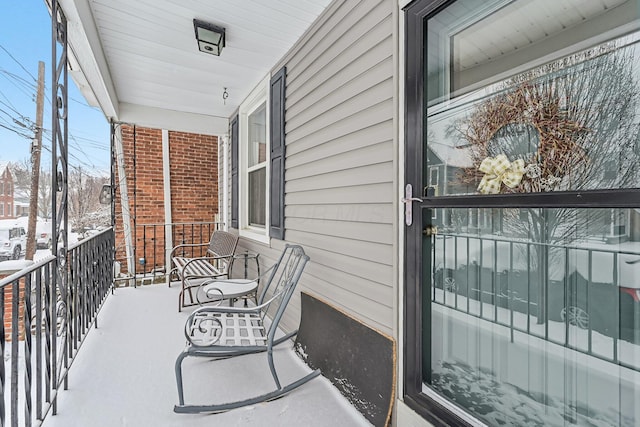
21 202
323 113
6 192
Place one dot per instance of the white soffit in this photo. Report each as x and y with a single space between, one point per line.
522 24
140 60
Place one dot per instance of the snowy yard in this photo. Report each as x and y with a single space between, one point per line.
599 345
524 379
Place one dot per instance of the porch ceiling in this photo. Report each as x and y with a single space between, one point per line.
139 60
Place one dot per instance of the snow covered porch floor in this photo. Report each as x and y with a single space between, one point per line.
124 375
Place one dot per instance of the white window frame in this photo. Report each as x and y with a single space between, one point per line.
488 8
255 99
224 147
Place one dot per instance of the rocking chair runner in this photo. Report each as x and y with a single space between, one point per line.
223 332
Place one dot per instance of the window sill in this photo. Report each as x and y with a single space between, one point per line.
255 234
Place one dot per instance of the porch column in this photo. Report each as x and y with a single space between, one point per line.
168 229
124 200
223 183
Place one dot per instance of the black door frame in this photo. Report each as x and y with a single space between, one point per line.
415 325
415 15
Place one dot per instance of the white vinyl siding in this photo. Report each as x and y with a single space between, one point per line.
340 174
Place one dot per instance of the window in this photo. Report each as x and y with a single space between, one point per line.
257 167
534 98
257 162
434 179
253 145
1 209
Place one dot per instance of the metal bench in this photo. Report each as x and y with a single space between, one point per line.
193 271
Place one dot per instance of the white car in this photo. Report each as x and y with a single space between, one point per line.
13 242
43 239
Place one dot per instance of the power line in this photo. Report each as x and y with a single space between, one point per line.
77 146
19 63
9 105
27 88
92 143
28 85
20 85
72 155
84 104
19 79
17 132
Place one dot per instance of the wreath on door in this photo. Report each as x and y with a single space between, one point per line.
525 140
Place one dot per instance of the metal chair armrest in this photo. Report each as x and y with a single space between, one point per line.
210 293
195 260
224 309
187 245
203 325
207 257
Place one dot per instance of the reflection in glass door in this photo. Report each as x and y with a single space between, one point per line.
536 330
530 289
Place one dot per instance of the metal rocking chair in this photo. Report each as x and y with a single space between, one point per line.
224 332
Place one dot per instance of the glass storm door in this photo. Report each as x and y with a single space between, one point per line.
523 142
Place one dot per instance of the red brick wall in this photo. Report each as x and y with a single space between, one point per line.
194 187
194 176
8 310
6 196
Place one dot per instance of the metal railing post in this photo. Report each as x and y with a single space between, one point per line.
59 169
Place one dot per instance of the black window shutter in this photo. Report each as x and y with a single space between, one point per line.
277 155
234 172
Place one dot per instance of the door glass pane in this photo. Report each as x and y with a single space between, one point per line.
533 313
508 114
537 321
257 136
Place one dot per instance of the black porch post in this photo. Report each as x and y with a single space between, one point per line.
58 293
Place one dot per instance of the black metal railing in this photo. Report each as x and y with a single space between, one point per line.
151 248
562 294
43 327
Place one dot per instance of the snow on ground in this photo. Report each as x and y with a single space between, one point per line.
502 404
524 379
601 345
124 375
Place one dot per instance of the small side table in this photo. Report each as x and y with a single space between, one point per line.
246 256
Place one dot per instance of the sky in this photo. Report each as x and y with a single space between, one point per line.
25 39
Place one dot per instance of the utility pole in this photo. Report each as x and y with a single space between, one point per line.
36 150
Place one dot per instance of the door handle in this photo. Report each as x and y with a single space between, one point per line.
408 200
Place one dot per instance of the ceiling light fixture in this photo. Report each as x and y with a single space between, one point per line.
210 37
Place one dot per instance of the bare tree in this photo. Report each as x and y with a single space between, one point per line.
21 173
575 122
22 181
84 206
44 195
575 125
